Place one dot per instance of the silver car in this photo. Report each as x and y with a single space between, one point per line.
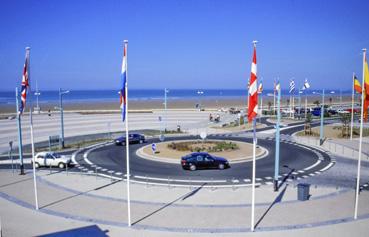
51 159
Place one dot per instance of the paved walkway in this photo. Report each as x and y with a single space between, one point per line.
158 211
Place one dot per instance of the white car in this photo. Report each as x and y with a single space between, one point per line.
48 159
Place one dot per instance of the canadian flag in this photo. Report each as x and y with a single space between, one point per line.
253 92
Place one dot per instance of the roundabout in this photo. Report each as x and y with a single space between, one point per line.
297 161
238 151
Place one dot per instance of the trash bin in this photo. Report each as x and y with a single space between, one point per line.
303 191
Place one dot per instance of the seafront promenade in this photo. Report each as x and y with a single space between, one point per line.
66 198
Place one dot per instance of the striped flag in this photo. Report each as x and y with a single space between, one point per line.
306 85
123 98
25 83
278 86
253 95
292 86
357 85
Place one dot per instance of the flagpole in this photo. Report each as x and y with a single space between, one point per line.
276 162
19 125
361 138
127 138
31 128
274 97
352 104
253 71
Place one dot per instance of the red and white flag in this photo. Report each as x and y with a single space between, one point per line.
253 90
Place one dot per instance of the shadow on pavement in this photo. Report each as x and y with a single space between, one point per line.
183 197
276 200
92 230
78 194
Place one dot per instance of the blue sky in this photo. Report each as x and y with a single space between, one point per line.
182 44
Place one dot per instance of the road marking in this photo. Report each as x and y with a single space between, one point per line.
181 180
258 179
118 173
327 167
268 183
301 171
312 166
235 181
247 180
311 174
305 176
104 169
269 178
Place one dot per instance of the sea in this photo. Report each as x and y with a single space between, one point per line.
52 96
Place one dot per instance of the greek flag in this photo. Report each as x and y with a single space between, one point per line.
292 86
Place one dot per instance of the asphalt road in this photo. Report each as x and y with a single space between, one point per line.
110 160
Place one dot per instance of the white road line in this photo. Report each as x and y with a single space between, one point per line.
268 178
181 180
268 183
301 171
312 166
247 180
327 167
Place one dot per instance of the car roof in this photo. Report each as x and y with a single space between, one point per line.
199 153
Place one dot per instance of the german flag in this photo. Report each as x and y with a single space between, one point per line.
357 85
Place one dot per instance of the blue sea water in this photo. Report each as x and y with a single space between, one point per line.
8 97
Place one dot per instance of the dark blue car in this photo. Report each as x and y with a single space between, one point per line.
203 160
133 138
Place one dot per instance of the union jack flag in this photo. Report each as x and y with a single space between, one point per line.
123 97
25 83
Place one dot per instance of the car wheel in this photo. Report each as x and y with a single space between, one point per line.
37 165
192 167
123 143
61 165
221 166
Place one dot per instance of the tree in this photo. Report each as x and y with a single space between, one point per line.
269 107
317 103
330 100
307 127
345 120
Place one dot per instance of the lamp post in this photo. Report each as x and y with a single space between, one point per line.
300 92
321 117
165 107
61 140
200 93
37 94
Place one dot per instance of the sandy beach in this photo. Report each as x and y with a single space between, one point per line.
206 103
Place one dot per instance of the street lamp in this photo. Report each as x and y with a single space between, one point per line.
321 117
61 93
200 93
37 94
166 91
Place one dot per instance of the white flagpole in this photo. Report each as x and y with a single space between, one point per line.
253 178
352 105
274 97
31 128
361 139
127 139
253 164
